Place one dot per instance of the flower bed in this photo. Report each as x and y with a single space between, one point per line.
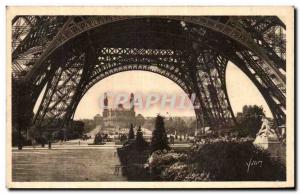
217 160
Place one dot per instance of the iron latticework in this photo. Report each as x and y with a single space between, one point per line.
64 56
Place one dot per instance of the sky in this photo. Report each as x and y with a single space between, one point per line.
241 92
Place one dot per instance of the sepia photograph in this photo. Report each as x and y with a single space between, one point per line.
150 97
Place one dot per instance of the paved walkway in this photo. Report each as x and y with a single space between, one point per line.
66 163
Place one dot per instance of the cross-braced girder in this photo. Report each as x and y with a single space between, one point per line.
109 61
191 51
31 36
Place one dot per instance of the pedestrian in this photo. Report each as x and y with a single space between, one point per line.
117 169
49 144
33 142
43 142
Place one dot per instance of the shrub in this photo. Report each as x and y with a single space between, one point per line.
131 132
198 177
217 159
227 161
161 160
176 172
140 142
159 136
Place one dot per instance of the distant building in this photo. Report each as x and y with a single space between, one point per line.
119 117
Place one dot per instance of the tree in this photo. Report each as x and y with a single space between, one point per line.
140 142
176 124
181 126
159 136
249 121
139 134
131 132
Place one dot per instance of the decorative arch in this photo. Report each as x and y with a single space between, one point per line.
191 50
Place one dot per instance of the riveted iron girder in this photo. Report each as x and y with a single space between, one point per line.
192 51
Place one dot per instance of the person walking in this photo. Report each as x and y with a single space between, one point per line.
49 144
33 143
